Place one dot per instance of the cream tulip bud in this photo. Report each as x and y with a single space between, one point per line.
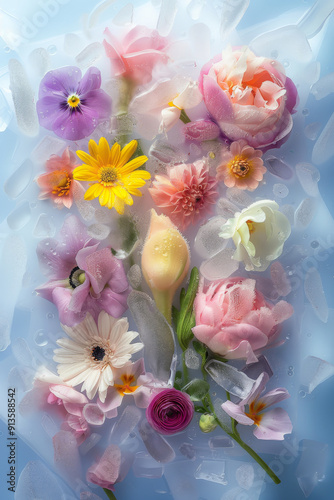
207 422
165 261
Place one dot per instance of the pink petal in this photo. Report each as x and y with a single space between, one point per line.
93 414
236 412
274 425
275 396
218 104
105 472
68 394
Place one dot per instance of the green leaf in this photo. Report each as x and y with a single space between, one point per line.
200 409
175 315
185 318
178 380
197 389
129 232
199 348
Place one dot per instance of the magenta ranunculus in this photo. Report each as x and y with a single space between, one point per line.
83 278
170 411
249 97
234 320
71 106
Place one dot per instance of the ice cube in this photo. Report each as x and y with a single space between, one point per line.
312 130
188 450
145 466
220 266
194 9
124 16
155 444
315 294
39 60
23 99
213 471
19 217
85 207
228 377
134 276
125 424
207 241
232 13
314 19
280 190
253 370
155 333
167 153
93 414
278 167
66 456
36 481
289 43
308 176
226 209
305 212
5 112
45 227
314 372
218 442
22 352
89 55
289 212
89 443
200 41
192 359
280 279
323 87
98 231
49 425
73 44
324 147
21 378
312 465
180 479
16 184
167 15
245 476
48 145
239 197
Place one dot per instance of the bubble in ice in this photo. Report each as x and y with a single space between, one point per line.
221 266
19 217
156 445
89 55
324 147
16 184
231 14
207 241
308 176
37 481
305 212
124 16
125 424
280 190
315 294
45 227
278 168
23 99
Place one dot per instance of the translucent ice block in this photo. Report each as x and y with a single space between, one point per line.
231 15
308 176
155 444
324 147
314 372
208 242
145 466
36 481
66 457
315 294
125 424
231 379
312 465
213 471
220 266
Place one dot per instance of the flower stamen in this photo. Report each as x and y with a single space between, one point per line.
61 182
73 100
98 353
77 277
108 175
239 166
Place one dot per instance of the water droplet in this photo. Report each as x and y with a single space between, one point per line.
7 49
50 315
302 394
52 49
40 338
314 244
305 112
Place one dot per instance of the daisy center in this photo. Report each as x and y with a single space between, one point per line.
98 353
77 277
239 166
108 175
61 183
73 100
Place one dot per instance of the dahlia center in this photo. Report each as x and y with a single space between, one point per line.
77 277
61 182
98 353
239 166
73 100
108 175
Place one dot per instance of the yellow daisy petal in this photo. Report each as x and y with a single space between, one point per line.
119 205
134 191
104 196
120 192
93 148
115 154
85 173
111 200
86 158
104 150
127 152
133 164
93 192
142 174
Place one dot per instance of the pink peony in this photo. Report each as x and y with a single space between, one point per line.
136 55
234 320
249 97
186 193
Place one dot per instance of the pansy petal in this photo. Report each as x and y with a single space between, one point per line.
274 425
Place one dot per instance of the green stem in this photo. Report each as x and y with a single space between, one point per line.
184 117
185 369
163 303
109 494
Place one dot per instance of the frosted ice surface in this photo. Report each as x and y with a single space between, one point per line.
167 153
305 212
314 19
312 465
312 130
245 476
85 207
72 44
324 147
66 456
124 16
289 212
39 59
226 208
125 424
89 443
5 112
232 13
98 231
220 266
48 145
323 87
314 372
87 495
280 190
155 444
22 352
200 40
36 481
188 450
278 167
280 279
167 16
134 276
253 370
213 471
180 479
218 442
19 180
145 466
228 377
19 217
194 8
308 176
192 359
289 42
315 294
221 414
89 55
45 227
93 414
49 425
154 332
23 99
239 197
207 241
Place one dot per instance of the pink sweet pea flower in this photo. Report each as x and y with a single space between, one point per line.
249 97
272 424
234 320
135 56
105 472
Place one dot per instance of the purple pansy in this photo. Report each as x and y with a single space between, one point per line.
71 105
83 278
170 411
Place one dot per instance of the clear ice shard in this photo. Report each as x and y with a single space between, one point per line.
324 147
312 465
39 60
212 470
145 466
19 217
89 55
180 479
125 424
36 481
314 19
45 227
228 377
5 112
315 294
23 99
323 87
278 167
167 15
155 333
231 14
66 456
305 212
253 370
89 443
207 241
220 266
314 372
289 42
16 184
155 444
124 16
308 176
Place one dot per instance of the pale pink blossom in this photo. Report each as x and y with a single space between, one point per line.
234 320
186 193
272 424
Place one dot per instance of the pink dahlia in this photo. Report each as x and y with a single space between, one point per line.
241 166
186 193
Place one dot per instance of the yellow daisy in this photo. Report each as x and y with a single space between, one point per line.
112 177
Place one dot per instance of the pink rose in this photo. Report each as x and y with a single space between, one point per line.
249 97
234 320
136 55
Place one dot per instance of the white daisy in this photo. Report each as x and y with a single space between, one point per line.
92 352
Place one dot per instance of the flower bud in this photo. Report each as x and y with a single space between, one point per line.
207 422
165 261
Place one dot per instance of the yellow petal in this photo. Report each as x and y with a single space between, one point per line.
86 158
133 164
127 152
93 192
85 173
134 191
115 154
104 150
93 148
104 196
119 205
139 174
120 192
111 200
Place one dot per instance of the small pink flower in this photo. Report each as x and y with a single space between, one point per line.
57 183
234 320
186 193
170 411
241 166
273 424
